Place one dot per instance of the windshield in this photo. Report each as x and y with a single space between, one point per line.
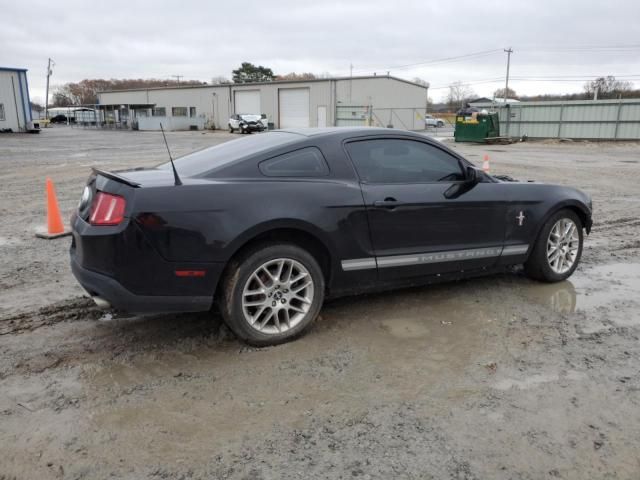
213 158
250 117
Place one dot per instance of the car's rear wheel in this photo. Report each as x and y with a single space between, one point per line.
440 124
272 294
557 251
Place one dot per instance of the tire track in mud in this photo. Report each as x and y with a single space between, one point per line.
78 308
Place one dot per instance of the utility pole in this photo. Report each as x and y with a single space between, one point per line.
506 88
46 99
506 85
177 77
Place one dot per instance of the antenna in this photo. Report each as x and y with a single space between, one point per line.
175 172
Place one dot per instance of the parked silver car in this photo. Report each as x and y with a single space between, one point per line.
431 121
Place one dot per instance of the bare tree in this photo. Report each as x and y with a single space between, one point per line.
458 95
607 87
420 81
86 91
36 106
220 80
499 93
297 76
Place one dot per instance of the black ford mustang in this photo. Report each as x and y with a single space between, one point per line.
268 226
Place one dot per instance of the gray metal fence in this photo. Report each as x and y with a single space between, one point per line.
579 119
372 116
405 118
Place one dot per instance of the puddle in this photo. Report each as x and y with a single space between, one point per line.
611 290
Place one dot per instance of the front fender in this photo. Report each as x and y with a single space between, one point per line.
532 204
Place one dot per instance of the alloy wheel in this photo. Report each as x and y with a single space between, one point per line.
563 245
277 296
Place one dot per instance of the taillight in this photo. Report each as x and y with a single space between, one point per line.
107 209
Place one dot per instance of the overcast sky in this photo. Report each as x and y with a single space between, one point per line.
560 43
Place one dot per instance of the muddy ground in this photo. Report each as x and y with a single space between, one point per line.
499 377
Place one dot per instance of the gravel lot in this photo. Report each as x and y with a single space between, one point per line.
498 377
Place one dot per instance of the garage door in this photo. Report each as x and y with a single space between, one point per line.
247 101
294 107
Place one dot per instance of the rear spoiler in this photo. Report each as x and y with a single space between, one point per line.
115 177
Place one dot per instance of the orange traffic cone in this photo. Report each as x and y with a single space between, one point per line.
55 228
485 163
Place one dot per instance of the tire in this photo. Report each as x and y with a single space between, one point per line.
440 124
549 262
260 319
230 129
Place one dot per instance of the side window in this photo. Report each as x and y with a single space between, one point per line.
402 161
178 111
2 117
307 162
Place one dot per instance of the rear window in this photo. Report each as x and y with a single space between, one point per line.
214 158
307 162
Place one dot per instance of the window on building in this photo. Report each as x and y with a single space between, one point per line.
179 111
159 112
307 162
2 111
403 161
192 111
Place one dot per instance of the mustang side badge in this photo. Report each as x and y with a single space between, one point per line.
520 218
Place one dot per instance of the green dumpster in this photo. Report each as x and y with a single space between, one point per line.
476 127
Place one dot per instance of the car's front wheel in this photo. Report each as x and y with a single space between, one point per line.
230 129
557 251
272 294
440 124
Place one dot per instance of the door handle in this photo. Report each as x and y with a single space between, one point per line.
389 203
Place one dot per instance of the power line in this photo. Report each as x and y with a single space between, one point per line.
530 79
584 48
436 61
471 83
617 75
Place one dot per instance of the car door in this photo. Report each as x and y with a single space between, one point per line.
424 218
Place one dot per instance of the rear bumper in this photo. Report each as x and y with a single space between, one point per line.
119 297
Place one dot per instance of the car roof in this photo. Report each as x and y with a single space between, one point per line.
346 131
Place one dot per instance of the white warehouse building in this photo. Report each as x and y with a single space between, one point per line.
15 109
372 100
